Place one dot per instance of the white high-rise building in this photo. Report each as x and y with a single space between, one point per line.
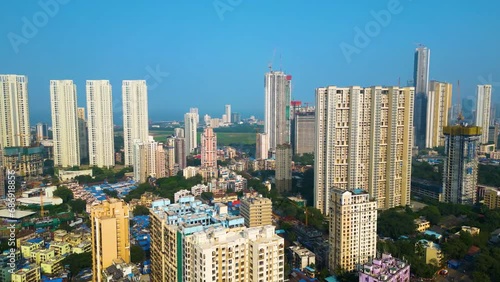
64 123
135 115
483 110
277 92
195 111
353 229
228 114
149 159
100 123
421 81
262 147
364 140
438 113
190 132
14 111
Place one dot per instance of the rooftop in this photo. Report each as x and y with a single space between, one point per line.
18 214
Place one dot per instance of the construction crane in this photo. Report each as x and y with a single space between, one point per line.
270 65
460 116
41 202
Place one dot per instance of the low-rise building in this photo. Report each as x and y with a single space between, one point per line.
53 265
257 211
302 257
42 255
430 250
422 224
385 269
30 246
61 248
471 230
28 273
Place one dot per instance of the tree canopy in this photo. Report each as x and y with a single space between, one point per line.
64 193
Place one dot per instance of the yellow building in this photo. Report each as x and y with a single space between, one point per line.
438 112
60 235
492 198
422 224
53 265
29 273
28 247
42 255
76 238
110 235
257 211
430 250
83 247
61 248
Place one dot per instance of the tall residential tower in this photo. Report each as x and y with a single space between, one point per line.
190 131
14 111
135 115
278 86
65 129
421 80
438 113
100 123
461 164
364 140
483 109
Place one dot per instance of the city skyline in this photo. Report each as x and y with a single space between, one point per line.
168 69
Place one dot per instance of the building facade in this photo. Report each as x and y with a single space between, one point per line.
14 111
42 132
421 80
149 160
83 134
191 241
170 157
65 130
364 139
262 146
438 113
135 115
304 133
257 211
283 174
191 133
228 114
461 164
385 268
278 91
483 111
353 229
180 152
209 153
100 123
110 235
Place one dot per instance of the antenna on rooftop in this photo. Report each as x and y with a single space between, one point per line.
270 65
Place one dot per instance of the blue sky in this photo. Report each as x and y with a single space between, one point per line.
220 58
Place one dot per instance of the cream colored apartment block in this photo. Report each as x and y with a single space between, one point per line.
100 123
65 130
483 108
353 229
364 140
257 211
135 115
110 235
438 112
14 111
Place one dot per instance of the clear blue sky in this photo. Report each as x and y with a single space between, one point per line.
213 60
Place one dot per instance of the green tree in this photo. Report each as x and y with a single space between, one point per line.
207 195
431 213
137 254
480 277
141 210
395 223
77 205
110 193
64 193
77 262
